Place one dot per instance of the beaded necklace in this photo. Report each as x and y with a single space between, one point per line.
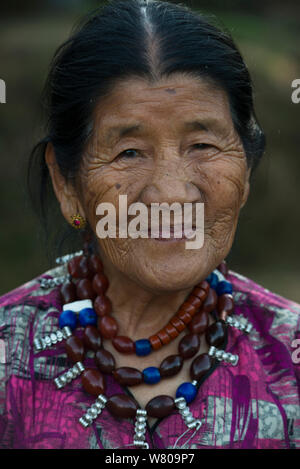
86 306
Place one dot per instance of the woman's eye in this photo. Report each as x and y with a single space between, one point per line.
130 153
202 146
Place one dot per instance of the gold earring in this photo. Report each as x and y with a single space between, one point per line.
77 221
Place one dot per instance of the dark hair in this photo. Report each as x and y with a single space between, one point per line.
126 38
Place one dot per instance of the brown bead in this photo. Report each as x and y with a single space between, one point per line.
215 334
73 267
195 301
205 286
93 382
83 268
171 365
188 308
123 344
122 406
199 323
102 305
210 301
127 376
171 331
160 406
68 292
108 327
200 293
184 316
189 345
225 303
95 264
223 268
105 361
164 336
200 366
155 342
74 349
85 290
91 338
100 283
178 324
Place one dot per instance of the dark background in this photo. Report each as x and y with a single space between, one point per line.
268 34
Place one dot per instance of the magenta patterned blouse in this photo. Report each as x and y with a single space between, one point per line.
252 405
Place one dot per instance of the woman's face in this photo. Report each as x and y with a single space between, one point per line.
166 160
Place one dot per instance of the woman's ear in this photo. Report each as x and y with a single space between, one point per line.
246 188
64 190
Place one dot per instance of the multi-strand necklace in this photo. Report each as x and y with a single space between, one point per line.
87 307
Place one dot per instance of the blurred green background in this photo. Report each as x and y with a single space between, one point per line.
268 34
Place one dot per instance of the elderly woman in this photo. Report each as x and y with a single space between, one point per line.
137 341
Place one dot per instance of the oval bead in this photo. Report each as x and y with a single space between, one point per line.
100 283
108 327
73 267
225 303
122 406
74 349
223 268
200 366
199 323
95 264
91 338
127 376
142 347
188 391
102 305
171 365
151 375
68 292
189 345
83 268
67 319
160 406
85 290
93 382
123 344
210 301
215 333
87 317
105 361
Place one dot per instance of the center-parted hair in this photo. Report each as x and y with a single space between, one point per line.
135 38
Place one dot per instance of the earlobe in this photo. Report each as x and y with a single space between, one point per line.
246 188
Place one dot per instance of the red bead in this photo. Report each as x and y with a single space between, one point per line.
68 292
205 286
188 308
93 382
184 316
164 337
127 376
171 331
74 349
223 268
226 303
195 301
160 406
100 283
200 293
122 406
171 365
200 366
199 323
189 345
210 302
83 268
73 267
155 342
102 305
95 264
105 361
178 324
123 344
108 327
215 334
91 338
85 290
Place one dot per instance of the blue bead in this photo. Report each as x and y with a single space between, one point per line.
151 375
188 391
214 280
68 319
224 287
87 317
142 347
